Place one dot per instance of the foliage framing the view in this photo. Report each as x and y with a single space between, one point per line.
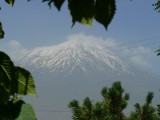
111 107
85 11
15 81
157 5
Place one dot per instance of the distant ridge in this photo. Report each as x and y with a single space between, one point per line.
69 55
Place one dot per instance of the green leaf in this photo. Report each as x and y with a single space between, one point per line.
73 104
149 97
82 11
11 2
58 3
11 110
158 52
1 31
18 110
104 11
25 111
25 84
5 112
157 5
87 103
7 71
4 96
15 107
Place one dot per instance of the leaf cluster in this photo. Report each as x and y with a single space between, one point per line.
17 110
14 81
157 5
112 105
145 111
85 11
110 108
83 112
158 52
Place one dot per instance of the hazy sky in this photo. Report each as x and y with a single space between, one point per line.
134 31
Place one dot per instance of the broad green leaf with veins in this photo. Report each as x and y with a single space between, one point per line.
18 110
26 112
25 84
104 11
85 11
82 11
7 71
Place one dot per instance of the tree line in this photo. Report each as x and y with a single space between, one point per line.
111 107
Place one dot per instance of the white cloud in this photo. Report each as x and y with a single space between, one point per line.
109 42
140 61
14 49
87 38
138 55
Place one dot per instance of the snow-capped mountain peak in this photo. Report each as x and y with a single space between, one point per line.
72 54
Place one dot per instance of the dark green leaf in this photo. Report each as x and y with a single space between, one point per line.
4 96
149 97
82 11
25 84
104 91
7 71
11 110
87 103
5 112
104 11
73 104
11 2
157 5
1 31
26 113
57 3
158 52
16 108
126 97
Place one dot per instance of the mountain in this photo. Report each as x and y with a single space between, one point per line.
79 68
74 54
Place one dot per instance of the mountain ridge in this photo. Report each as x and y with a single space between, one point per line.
72 54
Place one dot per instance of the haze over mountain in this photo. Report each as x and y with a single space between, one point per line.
79 68
73 54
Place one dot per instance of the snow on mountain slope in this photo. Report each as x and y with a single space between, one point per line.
72 54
